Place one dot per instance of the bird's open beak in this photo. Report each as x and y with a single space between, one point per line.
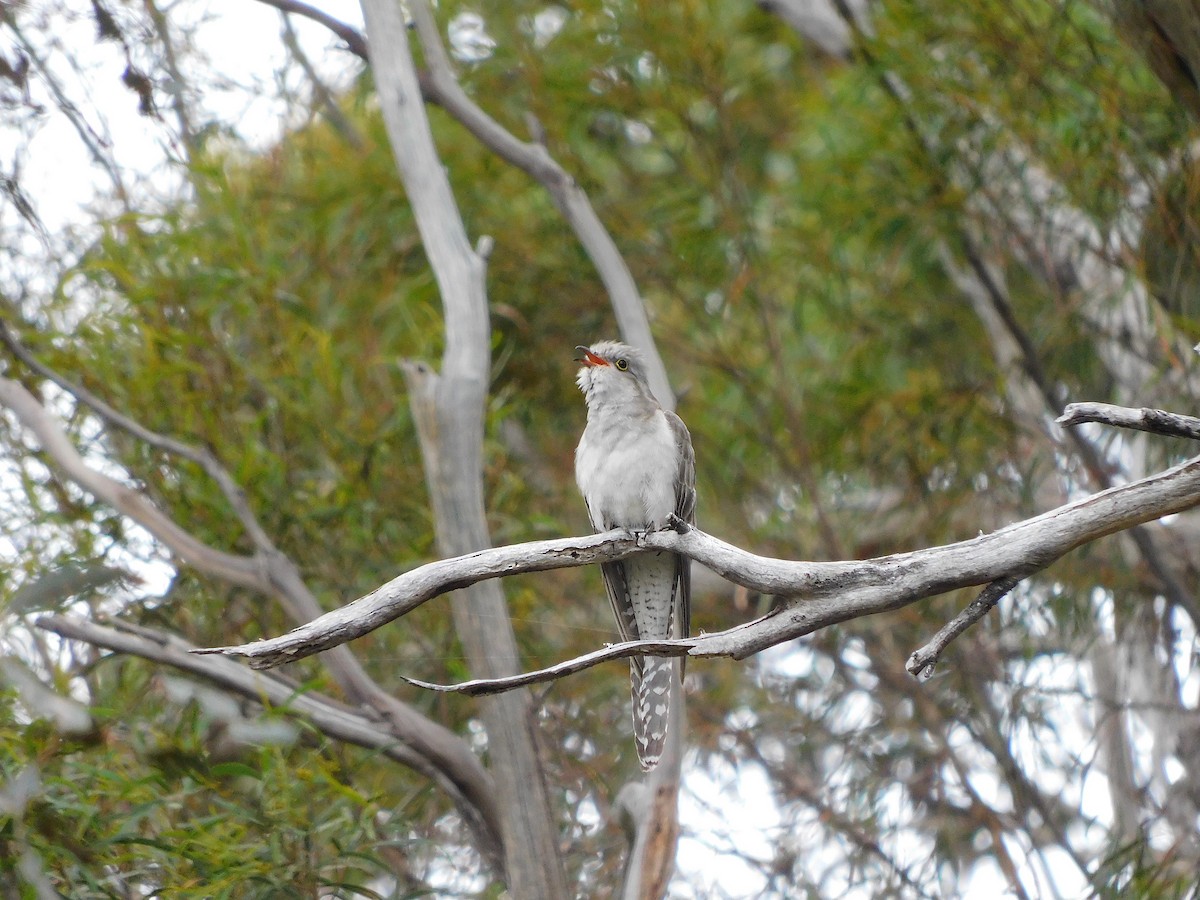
588 358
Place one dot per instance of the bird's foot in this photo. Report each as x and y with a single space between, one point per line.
677 524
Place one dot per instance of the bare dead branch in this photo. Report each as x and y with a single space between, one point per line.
922 661
1155 421
406 592
822 593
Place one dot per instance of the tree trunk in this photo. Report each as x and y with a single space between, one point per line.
449 411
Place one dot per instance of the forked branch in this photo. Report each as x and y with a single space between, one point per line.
819 594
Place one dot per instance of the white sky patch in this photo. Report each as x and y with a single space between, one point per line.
741 823
469 40
547 23
58 173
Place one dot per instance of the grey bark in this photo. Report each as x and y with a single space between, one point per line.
449 413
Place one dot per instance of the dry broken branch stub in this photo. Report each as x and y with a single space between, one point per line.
922 661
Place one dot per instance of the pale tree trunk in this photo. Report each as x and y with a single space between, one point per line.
449 410
651 811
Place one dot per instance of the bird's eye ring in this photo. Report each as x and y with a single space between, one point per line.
622 364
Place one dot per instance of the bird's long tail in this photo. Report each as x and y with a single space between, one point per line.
651 682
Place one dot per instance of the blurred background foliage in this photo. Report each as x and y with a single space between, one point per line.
784 214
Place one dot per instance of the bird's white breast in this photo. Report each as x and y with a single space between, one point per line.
626 469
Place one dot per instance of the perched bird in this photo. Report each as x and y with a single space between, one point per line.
635 467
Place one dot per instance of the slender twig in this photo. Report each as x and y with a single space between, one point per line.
176 86
322 95
96 144
479 687
355 42
845 823
922 661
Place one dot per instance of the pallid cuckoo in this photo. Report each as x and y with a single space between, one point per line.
635 468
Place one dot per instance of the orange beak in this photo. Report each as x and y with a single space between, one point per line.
588 358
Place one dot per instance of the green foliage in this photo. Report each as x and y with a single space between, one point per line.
148 804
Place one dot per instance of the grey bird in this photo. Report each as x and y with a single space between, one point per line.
635 468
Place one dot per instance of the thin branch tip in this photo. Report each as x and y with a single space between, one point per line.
923 661
484 686
428 685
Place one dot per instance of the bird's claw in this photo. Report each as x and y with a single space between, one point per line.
677 524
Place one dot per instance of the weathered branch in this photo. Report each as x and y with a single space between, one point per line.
922 661
406 592
334 719
821 593
479 687
1155 421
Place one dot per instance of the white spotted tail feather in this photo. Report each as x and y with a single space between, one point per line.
635 468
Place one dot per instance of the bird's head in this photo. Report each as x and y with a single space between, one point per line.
612 372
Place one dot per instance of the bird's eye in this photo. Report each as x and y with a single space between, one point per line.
622 364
